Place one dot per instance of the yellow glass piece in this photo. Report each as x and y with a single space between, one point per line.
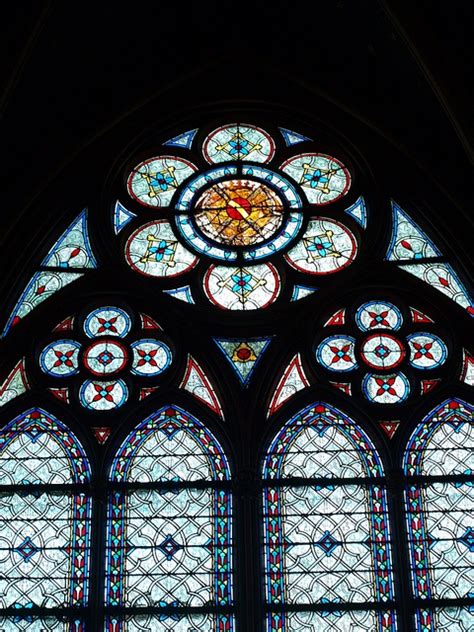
239 212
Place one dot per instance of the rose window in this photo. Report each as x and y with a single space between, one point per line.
229 205
104 353
382 352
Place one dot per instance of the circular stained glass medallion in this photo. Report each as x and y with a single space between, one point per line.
153 250
239 212
324 179
105 357
386 389
336 353
60 358
107 321
154 181
238 142
426 351
382 351
253 287
378 315
103 396
150 357
327 246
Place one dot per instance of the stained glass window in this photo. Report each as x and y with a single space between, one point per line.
169 543
439 466
241 270
326 532
45 513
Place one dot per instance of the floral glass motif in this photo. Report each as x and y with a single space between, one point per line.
252 287
327 246
439 514
103 396
153 250
169 541
107 358
380 348
45 530
427 351
324 179
238 142
107 321
154 181
378 315
239 212
336 353
60 358
386 389
382 351
104 357
325 542
150 357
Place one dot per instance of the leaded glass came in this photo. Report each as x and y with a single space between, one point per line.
326 533
169 544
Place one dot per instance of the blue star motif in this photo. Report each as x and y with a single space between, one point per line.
161 250
27 549
468 539
238 147
321 244
242 283
316 178
161 181
327 543
169 547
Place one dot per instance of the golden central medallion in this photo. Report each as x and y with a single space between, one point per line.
239 212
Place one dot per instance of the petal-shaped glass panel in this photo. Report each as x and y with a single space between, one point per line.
154 181
323 178
150 357
386 389
107 321
427 351
253 287
153 250
336 353
238 142
327 246
102 396
378 315
60 358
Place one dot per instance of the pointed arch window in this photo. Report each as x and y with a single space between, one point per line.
439 466
327 541
45 514
169 529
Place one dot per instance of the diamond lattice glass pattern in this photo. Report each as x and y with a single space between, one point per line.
440 513
44 532
170 545
325 541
